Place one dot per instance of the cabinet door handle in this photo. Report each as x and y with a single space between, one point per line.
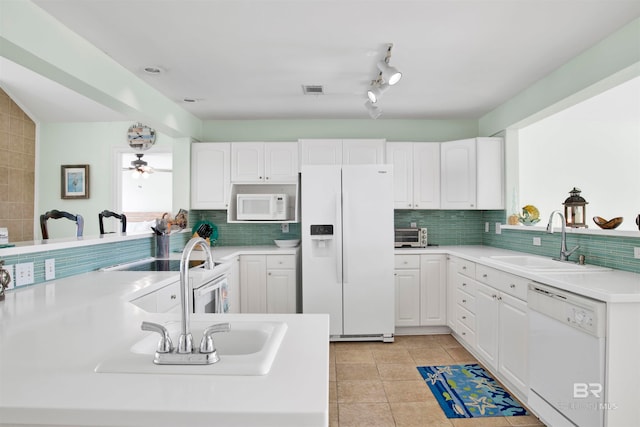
499 298
494 296
174 296
512 286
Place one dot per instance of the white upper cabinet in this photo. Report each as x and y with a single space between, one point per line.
210 175
341 151
490 173
458 173
416 174
472 174
320 151
281 161
264 162
362 151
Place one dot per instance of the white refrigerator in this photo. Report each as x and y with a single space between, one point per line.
347 249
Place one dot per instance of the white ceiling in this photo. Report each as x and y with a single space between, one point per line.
248 59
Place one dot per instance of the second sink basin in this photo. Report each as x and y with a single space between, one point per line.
249 348
541 264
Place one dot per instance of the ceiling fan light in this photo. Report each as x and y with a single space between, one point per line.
390 74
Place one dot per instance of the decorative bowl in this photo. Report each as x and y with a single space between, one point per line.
290 243
607 225
529 216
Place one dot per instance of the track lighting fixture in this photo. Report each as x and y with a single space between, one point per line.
373 110
376 90
387 77
390 74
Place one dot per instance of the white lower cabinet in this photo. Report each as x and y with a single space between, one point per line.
502 324
420 290
268 283
162 300
233 282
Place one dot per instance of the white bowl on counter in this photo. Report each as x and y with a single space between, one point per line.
290 243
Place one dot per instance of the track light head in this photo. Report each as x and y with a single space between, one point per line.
376 90
390 74
373 110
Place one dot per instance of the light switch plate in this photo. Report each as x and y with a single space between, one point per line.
49 269
498 228
284 227
24 274
486 227
636 252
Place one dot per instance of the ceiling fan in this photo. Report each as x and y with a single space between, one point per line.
140 167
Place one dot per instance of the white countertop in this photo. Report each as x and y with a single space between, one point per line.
53 335
613 286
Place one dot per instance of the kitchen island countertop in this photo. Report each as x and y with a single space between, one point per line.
53 335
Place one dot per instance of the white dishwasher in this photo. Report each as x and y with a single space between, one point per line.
566 357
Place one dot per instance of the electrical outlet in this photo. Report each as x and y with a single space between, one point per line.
24 274
537 241
414 225
284 227
486 227
636 252
49 269
498 228
11 270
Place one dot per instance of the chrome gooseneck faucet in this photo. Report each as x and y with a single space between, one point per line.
564 254
185 354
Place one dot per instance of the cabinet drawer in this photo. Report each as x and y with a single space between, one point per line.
515 286
508 283
467 334
465 300
466 318
468 268
407 261
281 261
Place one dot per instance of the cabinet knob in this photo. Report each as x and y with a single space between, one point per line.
464 301
269 273
464 284
266 177
409 205
174 296
494 296
484 275
464 317
416 205
464 333
464 267
499 298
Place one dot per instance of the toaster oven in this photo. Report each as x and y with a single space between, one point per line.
411 237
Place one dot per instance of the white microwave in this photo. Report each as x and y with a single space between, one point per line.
261 207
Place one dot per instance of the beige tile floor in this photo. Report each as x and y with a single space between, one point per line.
377 384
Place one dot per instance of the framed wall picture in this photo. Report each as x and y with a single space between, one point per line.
74 181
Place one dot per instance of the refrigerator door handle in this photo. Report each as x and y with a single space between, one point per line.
338 250
345 243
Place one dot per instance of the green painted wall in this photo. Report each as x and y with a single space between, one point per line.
292 130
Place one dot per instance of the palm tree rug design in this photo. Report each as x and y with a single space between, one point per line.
468 391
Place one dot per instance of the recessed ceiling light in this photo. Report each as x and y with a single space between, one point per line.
152 70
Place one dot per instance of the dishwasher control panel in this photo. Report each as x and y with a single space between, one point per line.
577 311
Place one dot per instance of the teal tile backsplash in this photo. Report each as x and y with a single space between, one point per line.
445 228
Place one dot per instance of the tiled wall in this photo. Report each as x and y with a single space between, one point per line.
70 262
607 251
446 227
240 234
17 165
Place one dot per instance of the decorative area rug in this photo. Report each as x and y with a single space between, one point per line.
468 391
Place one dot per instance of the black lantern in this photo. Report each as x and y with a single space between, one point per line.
575 209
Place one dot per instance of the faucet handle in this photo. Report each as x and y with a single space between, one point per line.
165 345
206 345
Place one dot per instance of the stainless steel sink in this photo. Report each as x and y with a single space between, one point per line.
542 264
249 348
